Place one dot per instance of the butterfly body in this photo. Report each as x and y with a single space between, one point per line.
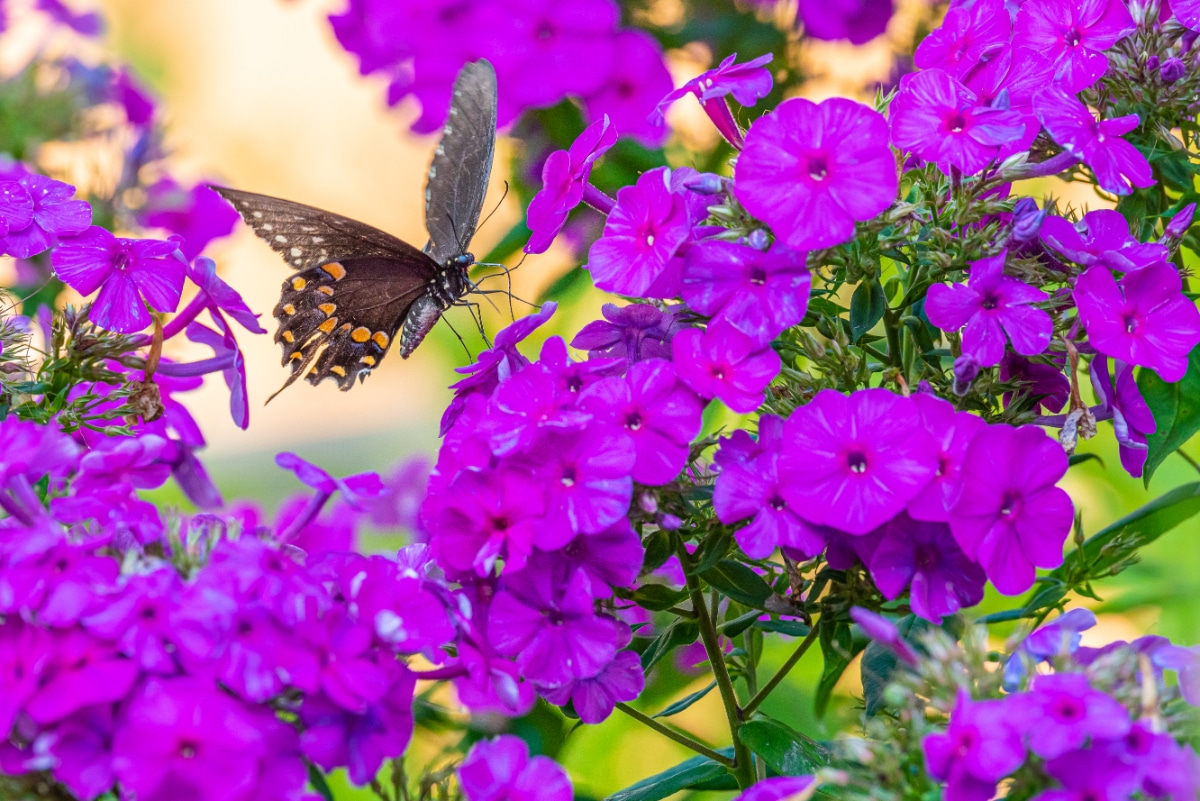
356 288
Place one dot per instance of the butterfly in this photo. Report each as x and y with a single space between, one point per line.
355 287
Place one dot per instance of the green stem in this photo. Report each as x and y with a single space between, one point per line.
779 676
743 762
890 321
1195 465
678 737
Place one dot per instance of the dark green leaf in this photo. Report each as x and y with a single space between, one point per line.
1080 458
732 628
867 306
681 632
682 776
838 647
785 750
684 703
738 582
1176 410
712 550
316 780
659 548
792 628
657 597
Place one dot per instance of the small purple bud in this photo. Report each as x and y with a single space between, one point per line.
1027 220
707 183
1179 224
648 503
758 239
1172 70
965 370
669 522
1152 63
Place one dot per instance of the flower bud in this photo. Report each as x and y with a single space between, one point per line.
1152 63
965 370
706 183
1027 220
1172 70
758 239
1179 224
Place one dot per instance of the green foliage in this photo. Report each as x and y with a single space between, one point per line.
1176 410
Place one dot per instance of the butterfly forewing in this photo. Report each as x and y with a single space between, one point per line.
462 163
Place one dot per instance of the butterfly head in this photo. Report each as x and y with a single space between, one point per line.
462 262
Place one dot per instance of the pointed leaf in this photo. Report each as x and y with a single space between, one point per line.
684 703
785 750
684 775
1176 410
738 582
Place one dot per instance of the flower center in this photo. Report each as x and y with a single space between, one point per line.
1132 323
546 31
956 122
499 523
717 371
818 168
1073 37
926 558
649 240
1010 505
857 462
989 302
633 421
1067 709
758 276
187 750
777 503
568 478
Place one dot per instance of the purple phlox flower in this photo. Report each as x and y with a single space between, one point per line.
1089 775
139 462
1163 767
1186 662
741 447
1010 516
979 747
1180 222
53 214
492 683
884 631
198 215
611 558
1009 79
250 567
28 452
1073 35
130 274
403 609
494 365
780 788
486 516
80 748
853 462
810 171
1101 237
228 358
991 305
588 478
748 83
1027 221
1145 319
1045 384
660 416
218 296
859 21
937 118
133 98
722 362
332 530
184 737
334 738
501 768
26 652
595 698
639 78
1117 164
634 332
923 558
951 432
545 617
355 489
137 619
969 34
1187 12
526 405
352 673
1133 421
16 207
637 255
400 505
58 585
121 518
565 178
79 673
749 486
758 293
1058 638
1063 711
87 23
574 377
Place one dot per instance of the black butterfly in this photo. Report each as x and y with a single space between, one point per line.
355 285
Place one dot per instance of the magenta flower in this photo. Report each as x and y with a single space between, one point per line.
130 273
638 79
218 296
355 489
486 516
80 672
1046 384
1101 237
937 118
228 358
853 462
611 558
81 749
1099 772
810 171
859 21
758 293
16 207
979 747
1116 163
969 34
198 215
137 619
1073 34
884 632
634 332
722 362
502 770
595 698
659 415
1063 711
587 477
778 788
555 51
87 23
748 83
951 432
1144 319
1010 516
53 214
1133 421
991 305
636 256
924 559
565 183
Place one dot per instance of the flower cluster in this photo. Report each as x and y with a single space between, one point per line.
543 52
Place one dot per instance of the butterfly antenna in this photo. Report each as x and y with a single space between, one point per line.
495 208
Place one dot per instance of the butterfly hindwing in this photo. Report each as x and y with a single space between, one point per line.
462 163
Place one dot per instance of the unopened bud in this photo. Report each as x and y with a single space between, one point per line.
965 371
1172 70
1179 224
1027 220
759 239
1152 63
706 183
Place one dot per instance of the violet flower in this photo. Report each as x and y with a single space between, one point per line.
638 79
1133 421
969 34
780 788
595 698
565 184
810 171
1118 165
1063 711
979 747
1101 237
923 558
724 363
1046 384
587 476
53 214
858 21
501 769
485 516
228 358
951 432
1073 35
1089 774
198 216
634 332
748 83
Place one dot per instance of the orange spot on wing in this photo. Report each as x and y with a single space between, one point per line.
328 308
327 291
289 310
360 334
368 360
338 369
298 283
336 271
328 325
381 339
288 337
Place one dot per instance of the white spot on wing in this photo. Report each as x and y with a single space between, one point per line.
316 240
280 238
258 215
296 252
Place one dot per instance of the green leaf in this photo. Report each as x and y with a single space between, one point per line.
838 647
1080 458
659 549
657 597
1176 410
712 550
867 306
738 582
684 703
792 628
878 665
785 750
317 780
573 283
681 632
734 627
684 775
513 241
